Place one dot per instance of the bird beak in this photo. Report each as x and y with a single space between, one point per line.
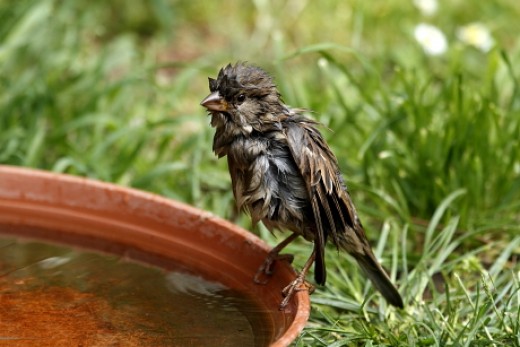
214 102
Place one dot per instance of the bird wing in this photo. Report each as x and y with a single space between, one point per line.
332 208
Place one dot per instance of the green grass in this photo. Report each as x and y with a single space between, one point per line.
429 145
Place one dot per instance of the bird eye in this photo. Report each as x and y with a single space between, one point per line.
241 98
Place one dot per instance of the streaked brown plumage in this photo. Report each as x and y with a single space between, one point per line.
284 174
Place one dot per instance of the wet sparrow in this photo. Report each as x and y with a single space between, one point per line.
284 174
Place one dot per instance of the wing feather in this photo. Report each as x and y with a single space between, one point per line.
319 169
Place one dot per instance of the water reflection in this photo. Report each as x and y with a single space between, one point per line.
62 296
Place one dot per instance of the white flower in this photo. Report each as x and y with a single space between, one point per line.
427 7
322 62
431 39
477 35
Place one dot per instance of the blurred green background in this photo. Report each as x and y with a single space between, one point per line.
428 142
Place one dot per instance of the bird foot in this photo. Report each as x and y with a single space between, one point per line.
295 286
266 269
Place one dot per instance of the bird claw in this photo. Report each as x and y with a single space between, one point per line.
266 269
257 279
295 286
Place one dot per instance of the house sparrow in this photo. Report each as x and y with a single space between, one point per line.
284 174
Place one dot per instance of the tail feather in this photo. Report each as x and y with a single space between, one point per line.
379 278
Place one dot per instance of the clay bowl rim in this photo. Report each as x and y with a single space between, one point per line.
47 191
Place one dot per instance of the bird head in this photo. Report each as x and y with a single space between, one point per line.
243 97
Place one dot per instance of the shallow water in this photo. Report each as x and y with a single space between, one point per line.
60 296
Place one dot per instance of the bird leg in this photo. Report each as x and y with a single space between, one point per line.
299 283
267 267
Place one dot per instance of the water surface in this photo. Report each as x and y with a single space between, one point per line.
60 296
